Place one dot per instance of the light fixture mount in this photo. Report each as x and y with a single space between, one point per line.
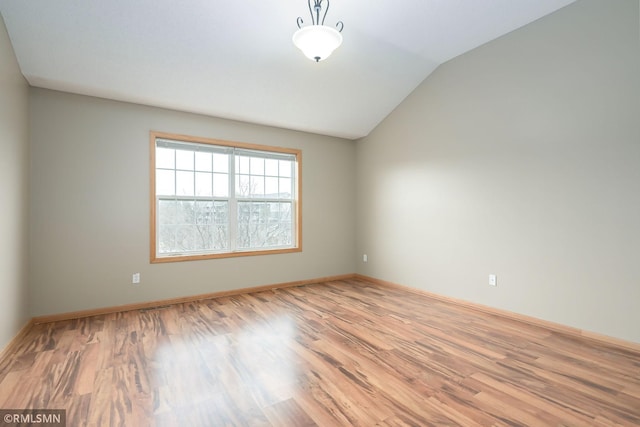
317 41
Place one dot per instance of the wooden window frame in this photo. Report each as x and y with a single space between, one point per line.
296 202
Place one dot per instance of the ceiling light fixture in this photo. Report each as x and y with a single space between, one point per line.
317 40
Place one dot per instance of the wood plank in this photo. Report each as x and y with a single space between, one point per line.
344 352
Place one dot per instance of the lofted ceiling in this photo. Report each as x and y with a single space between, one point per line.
235 59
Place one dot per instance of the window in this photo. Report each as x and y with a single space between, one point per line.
214 199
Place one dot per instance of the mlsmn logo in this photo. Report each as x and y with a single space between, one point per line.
33 417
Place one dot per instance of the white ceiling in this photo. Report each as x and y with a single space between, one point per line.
235 59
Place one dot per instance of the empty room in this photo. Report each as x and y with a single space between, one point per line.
315 213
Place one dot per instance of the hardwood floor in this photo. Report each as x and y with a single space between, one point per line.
334 354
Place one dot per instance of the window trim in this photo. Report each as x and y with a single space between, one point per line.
297 202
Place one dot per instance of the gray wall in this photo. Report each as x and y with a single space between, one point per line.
520 158
14 169
90 206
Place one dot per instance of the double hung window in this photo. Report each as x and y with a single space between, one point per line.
213 199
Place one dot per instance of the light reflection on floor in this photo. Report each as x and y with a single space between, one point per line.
205 377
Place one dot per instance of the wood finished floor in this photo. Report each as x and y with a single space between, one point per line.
334 354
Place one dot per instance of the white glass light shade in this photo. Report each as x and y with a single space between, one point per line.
317 41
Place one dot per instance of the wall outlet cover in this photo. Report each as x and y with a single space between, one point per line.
493 280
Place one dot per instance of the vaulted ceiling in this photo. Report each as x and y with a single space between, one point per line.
235 59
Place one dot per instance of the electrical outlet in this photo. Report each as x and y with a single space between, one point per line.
135 279
365 258
493 280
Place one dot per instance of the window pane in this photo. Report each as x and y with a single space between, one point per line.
165 158
203 184
221 163
220 185
285 212
166 239
211 238
285 188
257 166
262 224
243 187
282 224
203 161
221 212
242 165
219 226
285 168
203 213
250 232
211 231
184 183
271 187
219 236
166 212
184 212
257 186
271 167
185 238
184 159
165 183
